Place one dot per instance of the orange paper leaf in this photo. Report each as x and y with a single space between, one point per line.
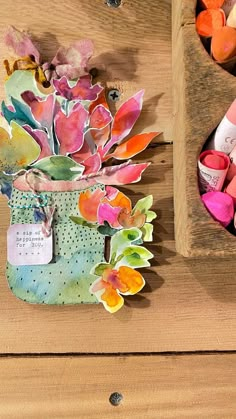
133 146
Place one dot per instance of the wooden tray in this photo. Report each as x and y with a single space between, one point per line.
202 93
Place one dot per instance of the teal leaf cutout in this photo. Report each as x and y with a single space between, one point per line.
22 114
6 184
60 168
106 229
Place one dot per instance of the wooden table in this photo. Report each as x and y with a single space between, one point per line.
170 351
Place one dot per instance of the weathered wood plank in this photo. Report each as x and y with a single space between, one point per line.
152 387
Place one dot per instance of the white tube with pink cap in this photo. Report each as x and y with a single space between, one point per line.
212 170
225 136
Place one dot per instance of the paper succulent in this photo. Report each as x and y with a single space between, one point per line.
57 122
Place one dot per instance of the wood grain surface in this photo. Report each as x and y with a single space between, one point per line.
202 93
198 386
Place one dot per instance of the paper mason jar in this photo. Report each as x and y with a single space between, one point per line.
66 279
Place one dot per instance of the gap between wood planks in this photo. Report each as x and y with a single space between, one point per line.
159 144
115 354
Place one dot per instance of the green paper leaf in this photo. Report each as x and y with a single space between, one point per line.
82 222
100 268
150 216
147 231
144 204
123 239
22 114
60 167
135 257
21 81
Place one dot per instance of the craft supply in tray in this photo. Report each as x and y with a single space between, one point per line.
217 172
216 25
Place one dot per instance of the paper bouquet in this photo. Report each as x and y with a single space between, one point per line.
62 156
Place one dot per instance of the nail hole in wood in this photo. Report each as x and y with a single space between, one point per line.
93 72
113 3
116 398
46 84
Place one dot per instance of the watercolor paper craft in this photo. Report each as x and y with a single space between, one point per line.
62 156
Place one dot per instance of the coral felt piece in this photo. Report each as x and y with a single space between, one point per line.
59 146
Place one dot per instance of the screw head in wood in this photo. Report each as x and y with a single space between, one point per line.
115 398
113 3
114 95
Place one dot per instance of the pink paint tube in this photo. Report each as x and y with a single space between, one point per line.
212 170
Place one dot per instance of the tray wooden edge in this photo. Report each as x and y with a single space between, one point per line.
202 92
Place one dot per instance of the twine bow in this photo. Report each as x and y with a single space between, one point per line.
48 211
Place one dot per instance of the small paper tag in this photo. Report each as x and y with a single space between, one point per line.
26 245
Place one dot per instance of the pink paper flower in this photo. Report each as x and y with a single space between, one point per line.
82 90
110 206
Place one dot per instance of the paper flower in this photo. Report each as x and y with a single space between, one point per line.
112 210
119 276
70 62
82 90
100 206
115 283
